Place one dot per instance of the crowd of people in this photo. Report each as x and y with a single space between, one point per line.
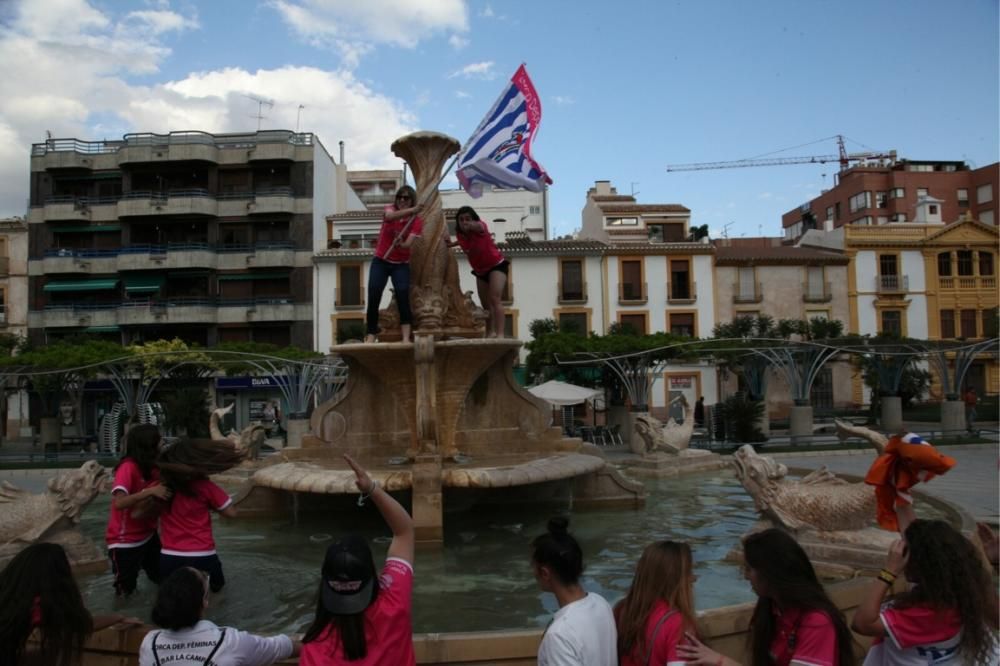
401 226
160 524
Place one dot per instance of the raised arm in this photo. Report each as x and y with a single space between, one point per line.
123 500
867 617
403 212
395 516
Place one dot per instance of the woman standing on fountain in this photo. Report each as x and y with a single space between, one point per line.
659 607
392 260
794 621
949 614
133 544
582 632
488 265
363 618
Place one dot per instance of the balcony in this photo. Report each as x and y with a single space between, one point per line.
80 315
260 308
968 282
572 295
747 293
176 146
66 208
272 200
632 293
813 292
349 299
169 256
194 201
892 284
67 260
681 293
75 154
200 310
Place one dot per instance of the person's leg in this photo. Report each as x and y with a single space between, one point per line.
498 280
212 565
151 558
171 563
378 275
401 285
483 287
125 564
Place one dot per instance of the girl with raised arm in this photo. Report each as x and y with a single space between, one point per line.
364 618
400 227
488 265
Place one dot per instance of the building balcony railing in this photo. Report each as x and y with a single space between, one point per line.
199 309
682 293
569 295
349 299
892 284
816 292
747 293
191 201
632 293
969 282
144 256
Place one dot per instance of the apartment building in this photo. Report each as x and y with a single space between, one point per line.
203 237
762 276
13 310
883 193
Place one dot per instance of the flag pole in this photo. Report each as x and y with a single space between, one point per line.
444 174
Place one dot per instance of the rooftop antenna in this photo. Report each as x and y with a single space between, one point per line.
298 114
261 103
725 228
632 187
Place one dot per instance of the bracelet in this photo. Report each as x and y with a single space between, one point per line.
364 496
887 577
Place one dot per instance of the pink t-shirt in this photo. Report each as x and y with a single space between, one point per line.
388 233
186 524
388 625
667 638
480 249
124 531
917 636
808 638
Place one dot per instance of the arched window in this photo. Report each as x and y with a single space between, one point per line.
964 262
986 263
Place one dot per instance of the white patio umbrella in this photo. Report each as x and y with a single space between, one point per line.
561 394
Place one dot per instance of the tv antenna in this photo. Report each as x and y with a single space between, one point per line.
632 187
261 103
298 114
725 228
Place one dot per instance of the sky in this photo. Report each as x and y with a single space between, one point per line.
627 88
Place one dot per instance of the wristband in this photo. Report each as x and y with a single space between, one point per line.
887 577
364 496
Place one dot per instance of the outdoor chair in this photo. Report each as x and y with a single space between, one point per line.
614 433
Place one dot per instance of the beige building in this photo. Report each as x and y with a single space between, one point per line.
14 302
760 276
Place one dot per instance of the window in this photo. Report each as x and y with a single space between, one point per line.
986 263
865 221
963 197
829 212
631 285
836 211
964 262
897 193
682 323
815 285
944 264
534 210
636 321
968 322
932 209
892 322
984 193
922 192
571 284
660 232
348 328
680 280
349 292
621 222
887 264
573 322
881 199
747 285
947 324
860 201
986 216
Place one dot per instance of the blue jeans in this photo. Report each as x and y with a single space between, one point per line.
381 272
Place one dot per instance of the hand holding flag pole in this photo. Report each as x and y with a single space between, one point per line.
499 152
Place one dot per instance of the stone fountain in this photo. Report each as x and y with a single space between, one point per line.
442 412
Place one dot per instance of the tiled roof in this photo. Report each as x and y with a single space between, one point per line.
642 208
784 254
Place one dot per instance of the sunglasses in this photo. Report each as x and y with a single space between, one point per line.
405 197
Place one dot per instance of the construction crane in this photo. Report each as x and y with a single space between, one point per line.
844 158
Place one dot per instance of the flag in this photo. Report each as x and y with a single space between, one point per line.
499 152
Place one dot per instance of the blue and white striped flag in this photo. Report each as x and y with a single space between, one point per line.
499 152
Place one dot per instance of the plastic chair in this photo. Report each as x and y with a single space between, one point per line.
615 435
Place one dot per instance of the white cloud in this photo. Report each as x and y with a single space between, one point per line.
160 21
476 70
457 42
461 94
765 195
562 100
352 27
487 12
74 81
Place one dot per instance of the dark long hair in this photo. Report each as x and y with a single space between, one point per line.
180 600
188 460
463 211
949 573
664 573
41 572
350 629
559 551
789 582
142 445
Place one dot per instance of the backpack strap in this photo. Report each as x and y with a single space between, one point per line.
208 659
156 657
652 642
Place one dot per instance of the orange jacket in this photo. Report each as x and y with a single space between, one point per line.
907 461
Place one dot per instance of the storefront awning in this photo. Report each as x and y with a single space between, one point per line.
143 284
102 329
87 229
252 276
80 285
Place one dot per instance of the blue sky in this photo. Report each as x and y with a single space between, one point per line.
627 88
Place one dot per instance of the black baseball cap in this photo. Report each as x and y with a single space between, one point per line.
348 581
